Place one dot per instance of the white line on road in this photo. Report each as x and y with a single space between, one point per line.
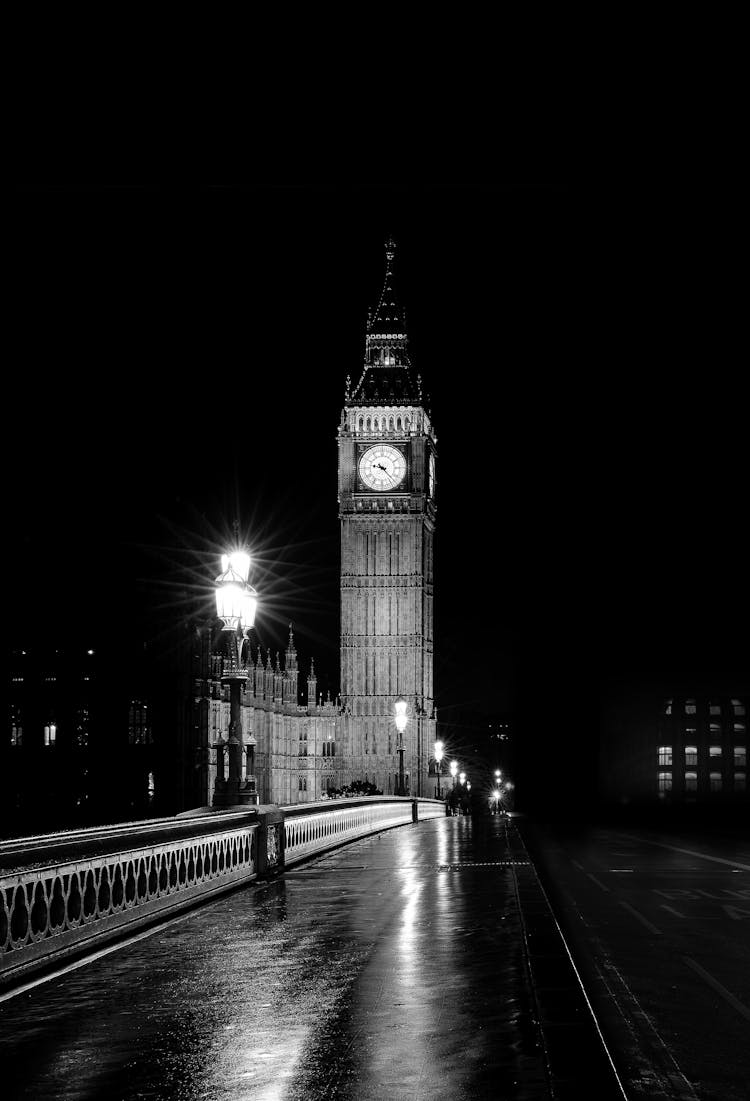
577 865
712 982
598 882
644 921
671 910
734 864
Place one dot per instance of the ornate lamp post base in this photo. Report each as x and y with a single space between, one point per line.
234 793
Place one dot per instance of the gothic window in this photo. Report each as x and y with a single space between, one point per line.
407 424
50 733
714 779
714 752
139 732
390 424
368 424
714 708
740 780
361 423
740 756
151 787
665 755
667 707
390 744
715 729
739 707
665 781
690 708
691 754
691 781
739 728
398 424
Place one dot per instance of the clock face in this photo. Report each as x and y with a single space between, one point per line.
432 475
382 467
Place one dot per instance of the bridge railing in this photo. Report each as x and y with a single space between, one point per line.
312 828
64 895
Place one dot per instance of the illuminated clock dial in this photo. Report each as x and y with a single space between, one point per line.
382 467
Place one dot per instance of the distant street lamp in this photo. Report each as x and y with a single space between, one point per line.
453 769
236 604
438 759
401 721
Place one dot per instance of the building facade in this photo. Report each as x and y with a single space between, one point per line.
685 747
301 749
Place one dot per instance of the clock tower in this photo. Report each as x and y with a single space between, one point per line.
387 457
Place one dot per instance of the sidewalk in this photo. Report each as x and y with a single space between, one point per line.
421 963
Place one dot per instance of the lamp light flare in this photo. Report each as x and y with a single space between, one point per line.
400 709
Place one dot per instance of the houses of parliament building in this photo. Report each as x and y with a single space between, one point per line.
300 745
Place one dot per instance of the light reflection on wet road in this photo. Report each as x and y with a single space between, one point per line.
376 971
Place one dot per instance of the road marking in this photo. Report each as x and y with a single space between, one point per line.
735 912
620 871
644 921
671 909
735 865
598 883
716 985
577 865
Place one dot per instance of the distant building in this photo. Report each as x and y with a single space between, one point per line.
80 746
675 747
299 749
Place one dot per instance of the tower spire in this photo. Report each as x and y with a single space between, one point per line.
386 376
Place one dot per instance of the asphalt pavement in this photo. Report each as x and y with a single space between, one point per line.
420 963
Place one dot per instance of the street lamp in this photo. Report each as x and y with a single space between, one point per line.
236 604
453 768
438 759
401 720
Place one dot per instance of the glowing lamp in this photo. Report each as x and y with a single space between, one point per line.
400 708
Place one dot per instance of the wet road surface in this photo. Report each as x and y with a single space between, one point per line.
659 925
394 967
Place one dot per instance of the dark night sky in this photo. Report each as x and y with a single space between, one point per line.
178 359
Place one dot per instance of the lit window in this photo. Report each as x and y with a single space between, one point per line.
740 781
740 728
739 707
151 786
667 707
139 731
665 755
691 731
714 708
714 751
715 729
691 781
690 708
50 733
740 756
665 781
691 754
714 779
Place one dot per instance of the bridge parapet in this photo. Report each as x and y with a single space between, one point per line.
316 827
64 895
67 902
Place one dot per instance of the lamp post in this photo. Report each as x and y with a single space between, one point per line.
236 604
438 759
401 721
453 769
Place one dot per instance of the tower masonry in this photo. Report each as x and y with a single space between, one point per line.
387 455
